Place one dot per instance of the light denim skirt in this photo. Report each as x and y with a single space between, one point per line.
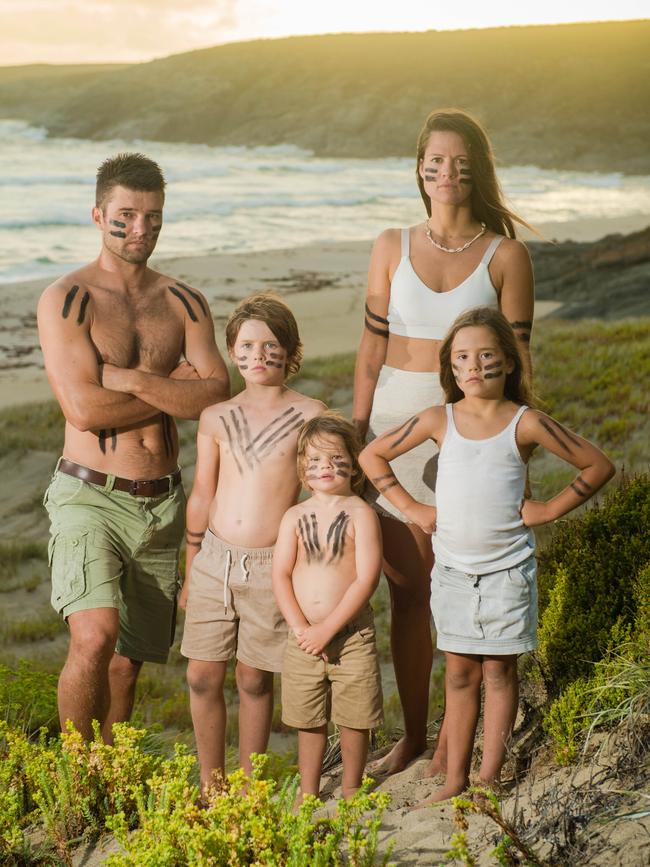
491 614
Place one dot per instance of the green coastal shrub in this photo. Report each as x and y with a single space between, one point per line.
74 790
28 698
587 575
616 688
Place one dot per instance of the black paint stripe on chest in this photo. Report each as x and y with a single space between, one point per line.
336 535
167 433
231 444
82 308
67 304
186 304
241 441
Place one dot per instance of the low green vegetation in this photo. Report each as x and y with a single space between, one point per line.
74 791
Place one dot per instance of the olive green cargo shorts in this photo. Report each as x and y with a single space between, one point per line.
109 549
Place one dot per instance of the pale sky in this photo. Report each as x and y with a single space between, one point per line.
94 31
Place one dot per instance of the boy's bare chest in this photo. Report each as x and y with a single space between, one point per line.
260 441
148 335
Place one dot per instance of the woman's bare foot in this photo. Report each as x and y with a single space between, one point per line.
403 753
442 794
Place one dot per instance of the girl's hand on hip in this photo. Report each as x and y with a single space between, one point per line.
534 513
424 517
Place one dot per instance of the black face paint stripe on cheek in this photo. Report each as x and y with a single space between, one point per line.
82 308
495 365
194 295
118 224
118 234
184 302
67 304
495 375
274 364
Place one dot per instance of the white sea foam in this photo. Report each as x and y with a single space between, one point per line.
245 199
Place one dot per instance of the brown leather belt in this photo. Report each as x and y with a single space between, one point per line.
137 487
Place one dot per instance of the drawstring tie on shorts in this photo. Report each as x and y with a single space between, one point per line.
226 577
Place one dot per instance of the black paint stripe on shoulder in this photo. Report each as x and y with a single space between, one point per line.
82 308
67 304
378 331
194 295
375 317
184 302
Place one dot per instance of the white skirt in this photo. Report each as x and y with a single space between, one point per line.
400 394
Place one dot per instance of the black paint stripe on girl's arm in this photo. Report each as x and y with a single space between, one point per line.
381 478
374 330
194 295
547 427
581 487
521 323
388 485
231 443
567 433
82 308
191 544
67 304
185 302
102 441
374 316
400 439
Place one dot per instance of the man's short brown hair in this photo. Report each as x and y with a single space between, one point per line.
131 170
270 309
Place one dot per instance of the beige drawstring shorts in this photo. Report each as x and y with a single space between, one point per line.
231 610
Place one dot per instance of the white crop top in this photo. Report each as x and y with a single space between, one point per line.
479 492
415 310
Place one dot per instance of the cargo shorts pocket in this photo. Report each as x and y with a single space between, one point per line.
67 559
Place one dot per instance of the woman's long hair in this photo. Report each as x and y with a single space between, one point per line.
517 387
487 199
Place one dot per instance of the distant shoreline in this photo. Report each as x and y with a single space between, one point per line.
324 284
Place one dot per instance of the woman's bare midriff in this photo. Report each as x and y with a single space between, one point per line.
413 353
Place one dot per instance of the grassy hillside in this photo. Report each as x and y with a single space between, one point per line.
565 96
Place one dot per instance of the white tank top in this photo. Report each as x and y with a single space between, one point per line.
415 310
479 491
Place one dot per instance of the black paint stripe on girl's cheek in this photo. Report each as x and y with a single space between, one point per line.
275 355
67 304
408 430
274 364
184 302
388 485
118 224
102 441
378 331
495 364
240 359
430 174
495 375
82 308
374 316
465 176
194 295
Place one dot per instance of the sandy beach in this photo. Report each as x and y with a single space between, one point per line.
324 284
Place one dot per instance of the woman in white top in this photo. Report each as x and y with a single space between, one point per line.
420 279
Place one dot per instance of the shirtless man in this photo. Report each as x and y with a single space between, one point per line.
125 349
325 569
244 482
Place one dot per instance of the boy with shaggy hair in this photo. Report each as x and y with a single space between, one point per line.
325 569
244 482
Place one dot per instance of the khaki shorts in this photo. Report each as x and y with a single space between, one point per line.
109 549
231 610
347 689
